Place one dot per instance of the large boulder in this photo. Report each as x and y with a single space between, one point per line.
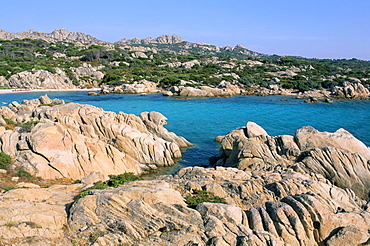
351 90
224 89
142 86
149 212
339 156
36 215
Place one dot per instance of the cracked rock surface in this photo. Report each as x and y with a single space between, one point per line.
339 156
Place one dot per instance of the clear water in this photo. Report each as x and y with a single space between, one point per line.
201 120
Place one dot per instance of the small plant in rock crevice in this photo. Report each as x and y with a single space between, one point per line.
199 196
114 181
5 160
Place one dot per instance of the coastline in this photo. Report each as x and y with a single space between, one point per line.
11 91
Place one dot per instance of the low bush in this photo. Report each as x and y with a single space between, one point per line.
27 126
97 186
200 196
117 180
114 181
5 160
24 173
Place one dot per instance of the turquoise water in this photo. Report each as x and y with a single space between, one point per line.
201 120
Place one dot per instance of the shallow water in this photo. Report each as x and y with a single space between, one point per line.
200 120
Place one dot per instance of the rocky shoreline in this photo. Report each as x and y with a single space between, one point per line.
308 189
226 89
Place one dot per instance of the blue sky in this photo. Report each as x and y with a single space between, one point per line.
310 28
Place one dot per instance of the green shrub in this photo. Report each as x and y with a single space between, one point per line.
9 121
5 160
27 126
98 186
24 173
95 235
200 196
7 188
114 181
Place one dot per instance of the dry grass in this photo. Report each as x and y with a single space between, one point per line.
6 182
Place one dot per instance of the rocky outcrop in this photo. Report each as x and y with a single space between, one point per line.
339 156
55 36
42 79
142 86
264 207
36 215
274 208
164 39
351 91
86 70
224 89
188 64
71 140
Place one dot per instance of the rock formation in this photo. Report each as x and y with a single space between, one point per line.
224 89
280 195
264 208
71 140
164 39
339 156
42 79
142 86
55 36
351 91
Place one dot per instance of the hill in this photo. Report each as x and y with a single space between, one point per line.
72 59
60 35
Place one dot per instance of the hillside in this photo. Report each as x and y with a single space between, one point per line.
60 35
79 60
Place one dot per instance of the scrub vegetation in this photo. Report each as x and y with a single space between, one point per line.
166 64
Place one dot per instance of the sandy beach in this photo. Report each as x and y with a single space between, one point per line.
9 91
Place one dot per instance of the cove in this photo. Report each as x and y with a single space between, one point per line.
200 120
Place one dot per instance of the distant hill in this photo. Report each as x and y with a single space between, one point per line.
55 36
164 39
168 43
77 59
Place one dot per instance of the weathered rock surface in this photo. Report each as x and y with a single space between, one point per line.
72 140
142 86
264 208
36 216
224 89
352 91
41 79
339 156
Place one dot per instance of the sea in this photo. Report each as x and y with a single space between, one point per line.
200 120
